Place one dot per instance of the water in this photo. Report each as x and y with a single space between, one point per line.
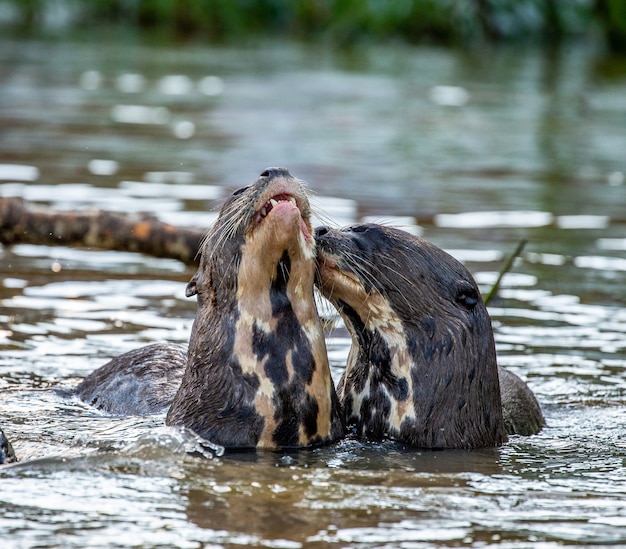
474 152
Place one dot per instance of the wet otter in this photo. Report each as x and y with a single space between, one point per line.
422 367
140 382
520 408
256 374
7 455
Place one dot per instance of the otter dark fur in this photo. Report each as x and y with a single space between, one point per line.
422 368
140 382
7 455
520 408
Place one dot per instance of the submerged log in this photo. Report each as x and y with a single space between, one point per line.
21 223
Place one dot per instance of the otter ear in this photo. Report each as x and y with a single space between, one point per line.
467 296
192 287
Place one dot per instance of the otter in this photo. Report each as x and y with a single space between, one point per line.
520 408
256 373
139 382
422 367
7 454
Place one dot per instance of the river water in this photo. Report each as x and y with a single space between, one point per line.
475 151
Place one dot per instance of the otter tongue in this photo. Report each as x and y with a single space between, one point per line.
284 201
305 230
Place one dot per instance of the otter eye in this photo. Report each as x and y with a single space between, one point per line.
468 297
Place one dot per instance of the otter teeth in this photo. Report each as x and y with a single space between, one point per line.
269 205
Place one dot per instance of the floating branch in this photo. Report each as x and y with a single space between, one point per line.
143 233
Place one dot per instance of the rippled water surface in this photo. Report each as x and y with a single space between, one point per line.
473 152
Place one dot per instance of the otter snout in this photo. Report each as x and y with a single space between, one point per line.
271 173
321 231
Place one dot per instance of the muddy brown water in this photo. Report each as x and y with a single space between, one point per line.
473 151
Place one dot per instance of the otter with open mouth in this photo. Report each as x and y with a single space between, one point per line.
256 373
422 367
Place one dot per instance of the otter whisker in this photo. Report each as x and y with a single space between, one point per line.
233 264
226 231
326 308
388 279
364 269
323 217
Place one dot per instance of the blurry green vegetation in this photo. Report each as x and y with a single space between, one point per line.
612 15
343 21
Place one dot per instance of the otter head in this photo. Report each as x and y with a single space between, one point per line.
260 229
422 367
257 373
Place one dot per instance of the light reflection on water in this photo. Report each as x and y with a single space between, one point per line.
474 156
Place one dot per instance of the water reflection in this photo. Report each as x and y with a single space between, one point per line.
380 483
99 166
17 172
127 83
473 220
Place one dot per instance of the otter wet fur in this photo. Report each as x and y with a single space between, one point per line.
520 408
136 383
257 373
7 454
422 367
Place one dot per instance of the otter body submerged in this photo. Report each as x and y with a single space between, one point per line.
422 367
140 382
7 454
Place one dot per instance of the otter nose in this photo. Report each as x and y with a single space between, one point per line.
271 173
320 231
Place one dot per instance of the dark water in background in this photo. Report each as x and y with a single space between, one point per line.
479 151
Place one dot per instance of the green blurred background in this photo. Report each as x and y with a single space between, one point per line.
345 22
